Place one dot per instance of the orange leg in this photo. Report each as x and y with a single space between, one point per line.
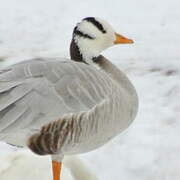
56 166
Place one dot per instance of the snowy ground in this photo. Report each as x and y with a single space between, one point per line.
150 148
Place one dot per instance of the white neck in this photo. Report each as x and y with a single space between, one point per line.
87 52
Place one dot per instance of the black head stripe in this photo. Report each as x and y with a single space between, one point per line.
96 23
81 34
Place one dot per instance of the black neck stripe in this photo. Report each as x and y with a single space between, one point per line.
96 23
81 34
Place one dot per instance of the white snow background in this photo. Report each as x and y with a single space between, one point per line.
150 148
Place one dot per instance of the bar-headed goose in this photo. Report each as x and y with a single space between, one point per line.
59 106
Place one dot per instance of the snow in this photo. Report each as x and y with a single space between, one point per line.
23 164
150 148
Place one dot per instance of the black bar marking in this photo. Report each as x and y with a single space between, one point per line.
81 34
96 23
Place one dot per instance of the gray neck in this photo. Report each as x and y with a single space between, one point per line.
115 73
107 66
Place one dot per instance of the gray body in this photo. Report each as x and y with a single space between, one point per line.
80 106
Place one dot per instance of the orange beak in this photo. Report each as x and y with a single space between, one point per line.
122 40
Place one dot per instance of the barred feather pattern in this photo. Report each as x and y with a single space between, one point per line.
56 135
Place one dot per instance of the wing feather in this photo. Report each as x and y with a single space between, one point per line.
9 97
37 92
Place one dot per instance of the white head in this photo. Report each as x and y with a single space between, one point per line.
92 36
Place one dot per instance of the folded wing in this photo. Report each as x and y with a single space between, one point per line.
39 91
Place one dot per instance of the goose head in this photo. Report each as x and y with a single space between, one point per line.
91 36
